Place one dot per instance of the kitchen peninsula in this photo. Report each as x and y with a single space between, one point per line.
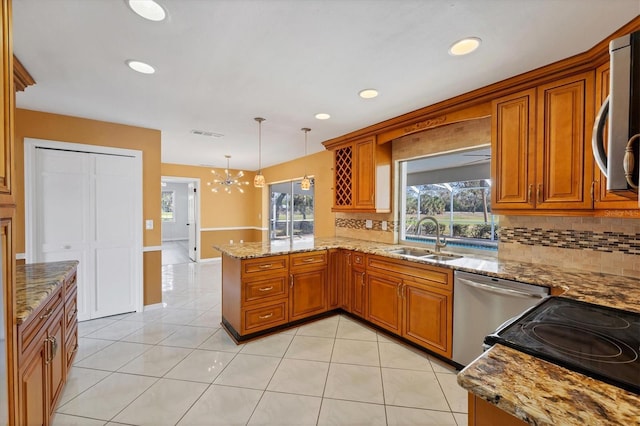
521 385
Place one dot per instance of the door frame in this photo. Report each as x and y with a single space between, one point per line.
30 176
196 183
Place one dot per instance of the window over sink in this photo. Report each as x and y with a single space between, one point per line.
454 188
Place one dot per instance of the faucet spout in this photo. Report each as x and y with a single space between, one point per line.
439 244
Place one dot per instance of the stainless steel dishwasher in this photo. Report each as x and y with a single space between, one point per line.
481 304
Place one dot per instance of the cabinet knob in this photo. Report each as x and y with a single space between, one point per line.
47 313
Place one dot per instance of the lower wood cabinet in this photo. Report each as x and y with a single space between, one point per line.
409 299
47 343
483 413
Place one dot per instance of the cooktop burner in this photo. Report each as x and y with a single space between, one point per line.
600 342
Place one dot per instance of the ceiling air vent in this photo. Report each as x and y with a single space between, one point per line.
206 133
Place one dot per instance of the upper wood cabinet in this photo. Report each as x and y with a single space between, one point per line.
362 176
542 158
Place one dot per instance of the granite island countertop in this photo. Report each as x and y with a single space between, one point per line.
36 281
531 389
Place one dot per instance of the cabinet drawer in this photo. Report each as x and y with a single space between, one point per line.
265 264
71 312
303 260
35 324
413 272
259 290
71 346
265 317
70 284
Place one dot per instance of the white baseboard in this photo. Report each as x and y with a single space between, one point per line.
153 307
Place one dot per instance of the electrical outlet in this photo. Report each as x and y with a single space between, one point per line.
368 224
384 225
148 224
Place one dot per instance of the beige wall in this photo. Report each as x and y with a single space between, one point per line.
41 125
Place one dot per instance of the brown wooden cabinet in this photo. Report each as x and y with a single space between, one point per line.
357 285
47 343
384 302
362 176
413 300
308 285
540 144
483 413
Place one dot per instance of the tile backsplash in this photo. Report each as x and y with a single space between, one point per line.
594 244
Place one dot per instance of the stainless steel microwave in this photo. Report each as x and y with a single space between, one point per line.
619 162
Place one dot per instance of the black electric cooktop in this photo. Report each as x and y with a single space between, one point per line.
600 342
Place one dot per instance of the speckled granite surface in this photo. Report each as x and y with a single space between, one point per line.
529 388
36 281
541 393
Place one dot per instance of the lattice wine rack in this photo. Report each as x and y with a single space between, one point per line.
343 176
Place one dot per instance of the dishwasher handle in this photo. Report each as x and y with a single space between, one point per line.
500 290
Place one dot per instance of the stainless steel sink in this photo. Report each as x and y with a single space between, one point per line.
410 251
441 257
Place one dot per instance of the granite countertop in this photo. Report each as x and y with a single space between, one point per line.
36 281
531 389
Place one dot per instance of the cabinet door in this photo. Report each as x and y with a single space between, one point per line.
308 295
358 292
384 306
365 182
564 171
604 199
513 151
33 405
56 363
428 318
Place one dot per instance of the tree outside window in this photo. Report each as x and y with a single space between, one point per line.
168 206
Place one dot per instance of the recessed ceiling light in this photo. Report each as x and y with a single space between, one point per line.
141 67
323 116
368 93
148 9
464 46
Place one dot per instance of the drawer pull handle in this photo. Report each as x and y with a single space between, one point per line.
47 314
75 349
269 315
309 259
265 266
265 288
72 314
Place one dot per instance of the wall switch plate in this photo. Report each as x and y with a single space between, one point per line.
384 225
368 224
148 224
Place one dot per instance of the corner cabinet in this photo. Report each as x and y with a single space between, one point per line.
540 143
362 176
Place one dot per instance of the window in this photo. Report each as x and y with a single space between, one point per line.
168 213
454 188
291 212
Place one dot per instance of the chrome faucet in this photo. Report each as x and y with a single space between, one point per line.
439 244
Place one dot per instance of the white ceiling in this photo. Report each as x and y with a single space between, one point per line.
220 63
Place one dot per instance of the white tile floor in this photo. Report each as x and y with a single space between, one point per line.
174 365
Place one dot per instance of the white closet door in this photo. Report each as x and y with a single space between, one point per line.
85 211
62 215
113 241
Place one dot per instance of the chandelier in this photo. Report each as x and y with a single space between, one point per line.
226 181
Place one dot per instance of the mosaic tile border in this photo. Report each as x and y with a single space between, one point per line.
361 224
606 241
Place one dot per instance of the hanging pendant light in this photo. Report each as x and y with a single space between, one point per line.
258 180
226 181
305 185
